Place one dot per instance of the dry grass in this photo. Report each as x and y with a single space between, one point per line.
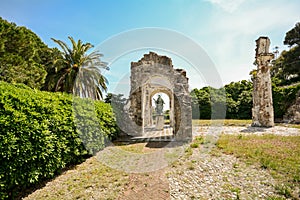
279 154
134 148
225 122
89 180
235 122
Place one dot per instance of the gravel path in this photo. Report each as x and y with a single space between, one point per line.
223 177
204 176
277 130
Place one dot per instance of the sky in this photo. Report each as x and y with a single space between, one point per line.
225 30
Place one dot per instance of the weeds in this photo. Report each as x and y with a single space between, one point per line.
284 190
197 142
188 151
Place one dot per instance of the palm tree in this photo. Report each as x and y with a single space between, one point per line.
80 73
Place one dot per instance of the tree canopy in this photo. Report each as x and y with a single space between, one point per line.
292 37
286 68
238 101
23 56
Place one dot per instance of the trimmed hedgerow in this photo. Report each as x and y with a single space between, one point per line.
42 132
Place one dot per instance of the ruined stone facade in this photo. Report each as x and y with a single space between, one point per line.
262 111
153 74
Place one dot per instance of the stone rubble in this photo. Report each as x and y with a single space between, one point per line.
223 177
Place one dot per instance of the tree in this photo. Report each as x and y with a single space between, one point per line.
286 69
245 105
77 72
201 104
23 56
292 37
236 97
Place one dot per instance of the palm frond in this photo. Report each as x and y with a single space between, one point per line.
80 73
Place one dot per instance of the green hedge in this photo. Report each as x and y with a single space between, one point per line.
42 132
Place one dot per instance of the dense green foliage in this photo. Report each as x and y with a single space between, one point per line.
283 98
237 98
41 132
286 69
23 56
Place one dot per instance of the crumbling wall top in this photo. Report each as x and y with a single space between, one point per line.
153 58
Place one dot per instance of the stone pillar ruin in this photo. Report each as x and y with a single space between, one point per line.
262 111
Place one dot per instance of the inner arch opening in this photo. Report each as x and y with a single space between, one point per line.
165 107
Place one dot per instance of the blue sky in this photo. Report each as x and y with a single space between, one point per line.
225 29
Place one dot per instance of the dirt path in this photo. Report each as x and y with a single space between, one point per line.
152 185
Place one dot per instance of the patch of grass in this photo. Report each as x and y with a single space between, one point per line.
133 148
284 190
279 154
230 187
194 145
199 139
188 152
87 180
191 165
197 142
139 148
215 152
226 122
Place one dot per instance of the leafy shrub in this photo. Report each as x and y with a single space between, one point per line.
40 134
283 98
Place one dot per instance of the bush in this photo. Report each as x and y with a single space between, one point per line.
39 134
283 98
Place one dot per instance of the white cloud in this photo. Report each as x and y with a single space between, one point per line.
231 36
227 5
259 19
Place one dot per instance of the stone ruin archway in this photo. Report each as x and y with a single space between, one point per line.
154 73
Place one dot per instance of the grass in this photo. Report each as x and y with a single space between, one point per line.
279 154
197 142
134 148
225 122
90 179
234 122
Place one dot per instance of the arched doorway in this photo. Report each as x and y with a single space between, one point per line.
153 74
